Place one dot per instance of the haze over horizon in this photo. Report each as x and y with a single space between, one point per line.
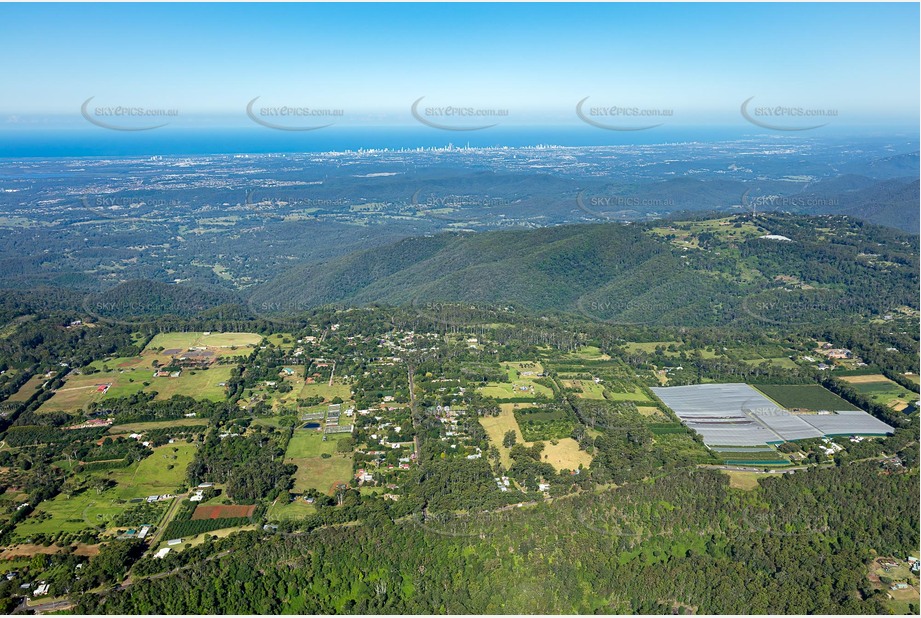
670 74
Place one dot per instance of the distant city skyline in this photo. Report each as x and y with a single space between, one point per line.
521 65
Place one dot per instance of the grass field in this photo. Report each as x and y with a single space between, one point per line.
223 342
148 425
84 510
90 508
589 352
804 397
28 389
636 394
323 389
309 443
278 340
79 391
782 361
881 389
739 479
277 399
588 388
564 454
305 450
650 346
497 426
163 472
198 384
296 509
651 412
127 376
198 539
321 474
521 386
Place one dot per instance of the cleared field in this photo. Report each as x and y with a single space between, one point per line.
516 390
636 394
145 426
321 474
218 511
326 391
28 389
589 352
522 375
127 376
79 391
565 455
295 509
183 341
163 472
782 361
881 389
305 450
277 399
112 363
588 389
90 508
198 384
497 426
650 346
79 512
804 397
651 412
198 539
278 340
739 479
309 443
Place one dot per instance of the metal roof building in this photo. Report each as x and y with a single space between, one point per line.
848 422
786 425
738 415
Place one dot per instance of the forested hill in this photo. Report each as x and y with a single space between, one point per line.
696 272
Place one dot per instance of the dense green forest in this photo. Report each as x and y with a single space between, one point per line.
683 542
637 274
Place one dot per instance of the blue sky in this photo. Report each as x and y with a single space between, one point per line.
536 61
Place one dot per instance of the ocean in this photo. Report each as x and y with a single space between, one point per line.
93 142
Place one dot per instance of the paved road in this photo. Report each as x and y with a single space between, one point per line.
40 608
157 537
412 406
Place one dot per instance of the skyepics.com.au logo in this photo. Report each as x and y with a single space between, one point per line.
114 307
122 207
448 207
786 117
292 117
755 203
467 525
617 310
456 118
264 204
621 118
460 314
630 525
785 307
126 117
620 207
284 313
